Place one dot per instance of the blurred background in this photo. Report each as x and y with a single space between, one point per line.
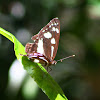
79 77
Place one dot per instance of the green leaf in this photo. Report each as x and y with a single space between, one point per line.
36 70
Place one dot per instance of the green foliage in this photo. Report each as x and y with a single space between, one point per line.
36 71
94 2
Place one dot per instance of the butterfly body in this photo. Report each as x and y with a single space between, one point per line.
40 58
45 44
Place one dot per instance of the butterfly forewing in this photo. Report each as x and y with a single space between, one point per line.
47 39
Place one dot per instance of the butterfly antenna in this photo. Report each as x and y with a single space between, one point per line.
65 58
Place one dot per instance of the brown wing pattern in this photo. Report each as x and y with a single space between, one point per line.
32 47
50 35
46 41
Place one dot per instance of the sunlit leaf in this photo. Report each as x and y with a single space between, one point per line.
36 71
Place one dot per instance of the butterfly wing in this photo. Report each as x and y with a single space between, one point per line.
47 39
32 47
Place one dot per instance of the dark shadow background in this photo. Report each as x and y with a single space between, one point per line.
79 77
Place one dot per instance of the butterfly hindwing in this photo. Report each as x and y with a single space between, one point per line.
32 47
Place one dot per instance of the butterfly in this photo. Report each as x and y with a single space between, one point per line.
45 44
